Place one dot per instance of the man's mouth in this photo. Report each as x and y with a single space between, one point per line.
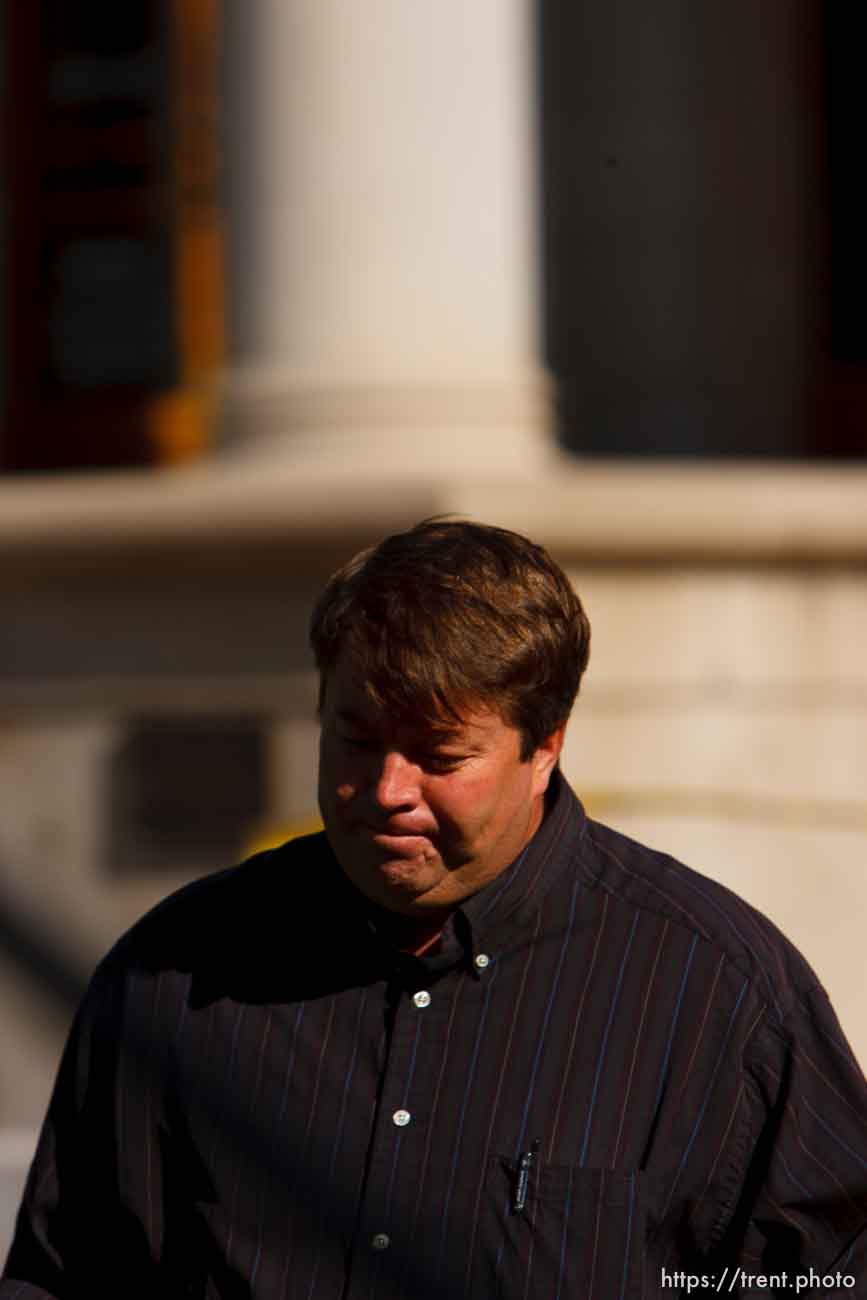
405 845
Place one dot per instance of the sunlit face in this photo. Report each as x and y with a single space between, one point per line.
420 820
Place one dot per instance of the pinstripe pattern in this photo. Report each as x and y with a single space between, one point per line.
591 1290
453 1169
224 1120
597 1076
561 1270
632 1064
576 1025
628 1236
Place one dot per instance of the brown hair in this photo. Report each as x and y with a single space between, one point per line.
450 614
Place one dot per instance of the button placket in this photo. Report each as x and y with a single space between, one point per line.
396 1125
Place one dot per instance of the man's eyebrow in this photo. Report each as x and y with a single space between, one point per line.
437 739
433 738
349 715
451 738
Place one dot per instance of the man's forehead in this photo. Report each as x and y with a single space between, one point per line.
351 701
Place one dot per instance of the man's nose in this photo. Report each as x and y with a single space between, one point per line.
397 785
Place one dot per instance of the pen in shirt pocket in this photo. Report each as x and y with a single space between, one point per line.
526 1160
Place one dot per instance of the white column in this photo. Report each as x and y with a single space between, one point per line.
385 278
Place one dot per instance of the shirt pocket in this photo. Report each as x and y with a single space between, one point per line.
580 1234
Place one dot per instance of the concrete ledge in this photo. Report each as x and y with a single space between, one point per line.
780 512
605 511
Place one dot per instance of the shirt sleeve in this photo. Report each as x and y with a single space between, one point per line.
802 1209
76 1234
35 1265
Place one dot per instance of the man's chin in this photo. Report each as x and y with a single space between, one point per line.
409 877
402 884
403 872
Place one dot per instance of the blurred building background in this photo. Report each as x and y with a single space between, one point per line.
282 276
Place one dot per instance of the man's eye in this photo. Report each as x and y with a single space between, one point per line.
442 762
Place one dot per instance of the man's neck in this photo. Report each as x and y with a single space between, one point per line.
416 935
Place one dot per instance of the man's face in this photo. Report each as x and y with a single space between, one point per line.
421 820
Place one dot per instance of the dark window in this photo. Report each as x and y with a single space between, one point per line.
185 793
705 263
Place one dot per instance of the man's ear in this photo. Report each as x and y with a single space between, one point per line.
546 757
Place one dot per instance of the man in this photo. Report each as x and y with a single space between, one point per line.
466 1042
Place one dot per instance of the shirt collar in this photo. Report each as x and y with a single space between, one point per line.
528 878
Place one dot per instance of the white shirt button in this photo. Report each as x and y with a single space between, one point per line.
401 1118
483 960
421 999
381 1241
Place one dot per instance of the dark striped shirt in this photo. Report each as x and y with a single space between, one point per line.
612 1067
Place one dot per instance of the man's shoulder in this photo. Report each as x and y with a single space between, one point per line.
654 882
242 906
